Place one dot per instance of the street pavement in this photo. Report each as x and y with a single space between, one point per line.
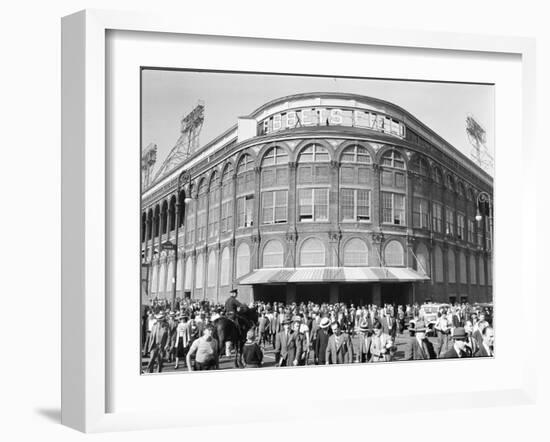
227 363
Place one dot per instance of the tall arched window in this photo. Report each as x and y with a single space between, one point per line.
273 254
245 191
212 269
313 183
392 182
155 280
214 205
190 219
473 279
243 260
201 210
438 175
356 253
450 182
143 226
355 184
156 222
227 199
170 277
423 259
420 166
172 214
179 280
451 267
489 271
225 267
312 253
199 271
438 263
462 269
150 224
164 217
394 255
188 274
274 186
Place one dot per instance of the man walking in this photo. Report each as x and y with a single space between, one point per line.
420 347
458 350
158 344
339 347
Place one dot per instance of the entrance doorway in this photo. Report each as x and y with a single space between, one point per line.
317 293
270 293
358 294
396 293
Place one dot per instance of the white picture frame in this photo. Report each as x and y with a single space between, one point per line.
86 232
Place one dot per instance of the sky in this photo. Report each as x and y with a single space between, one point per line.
169 95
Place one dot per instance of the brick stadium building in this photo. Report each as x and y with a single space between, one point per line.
322 197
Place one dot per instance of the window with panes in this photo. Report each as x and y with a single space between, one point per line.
488 237
393 208
313 183
471 231
420 166
393 170
245 191
355 184
438 176
460 226
227 199
420 213
214 206
190 219
202 200
274 186
449 221
437 217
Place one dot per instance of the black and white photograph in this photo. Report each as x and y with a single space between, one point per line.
301 221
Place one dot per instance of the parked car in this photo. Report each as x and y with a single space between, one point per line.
428 313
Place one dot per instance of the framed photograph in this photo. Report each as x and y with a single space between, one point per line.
284 207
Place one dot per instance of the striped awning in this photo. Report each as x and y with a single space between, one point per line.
332 274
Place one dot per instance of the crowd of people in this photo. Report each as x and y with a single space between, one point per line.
309 333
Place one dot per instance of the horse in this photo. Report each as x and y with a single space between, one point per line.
227 330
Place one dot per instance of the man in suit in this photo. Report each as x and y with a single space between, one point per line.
282 340
420 347
321 341
472 344
158 344
339 347
363 352
485 350
389 325
458 350
297 346
381 344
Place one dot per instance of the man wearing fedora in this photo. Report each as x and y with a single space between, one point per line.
339 347
158 343
363 352
420 347
232 305
460 341
321 341
381 347
282 340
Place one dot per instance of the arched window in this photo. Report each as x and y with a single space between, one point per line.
164 217
423 259
143 226
473 279
172 214
156 221
438 263
214 205
190 215
188 274
450 182
181 213
212 269
393 159
273 254
489 271
201 210
356 253
243 260
150 224
313 183
394 254
356 154
355 184
274 186
312 253
420 166
199 271
225 267
179 275
227 199
451 267
461 190
245 191
462 269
